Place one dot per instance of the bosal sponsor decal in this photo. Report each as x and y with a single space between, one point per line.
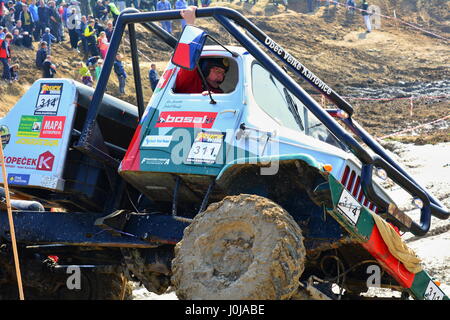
48 99
183 119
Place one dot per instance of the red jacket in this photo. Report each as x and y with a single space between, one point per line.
190 82
4 49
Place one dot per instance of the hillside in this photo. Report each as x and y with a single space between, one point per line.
397 60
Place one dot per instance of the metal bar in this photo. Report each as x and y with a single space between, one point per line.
295 89
136 70
206 198
175 196
169 39
436 209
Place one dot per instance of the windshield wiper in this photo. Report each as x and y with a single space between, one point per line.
293 109
291 104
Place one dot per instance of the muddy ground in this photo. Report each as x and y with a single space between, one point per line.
397 78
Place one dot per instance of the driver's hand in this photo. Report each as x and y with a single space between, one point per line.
189 15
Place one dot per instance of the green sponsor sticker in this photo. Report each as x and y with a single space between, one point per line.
30 126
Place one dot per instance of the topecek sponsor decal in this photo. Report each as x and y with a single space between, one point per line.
43 162
183 119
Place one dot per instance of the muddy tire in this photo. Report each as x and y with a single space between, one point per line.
243 247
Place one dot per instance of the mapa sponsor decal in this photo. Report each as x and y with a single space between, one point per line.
157 141
48 99
18 179
52 127
183 119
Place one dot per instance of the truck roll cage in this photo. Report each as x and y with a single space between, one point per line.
230 20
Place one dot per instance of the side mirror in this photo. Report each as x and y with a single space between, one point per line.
189 47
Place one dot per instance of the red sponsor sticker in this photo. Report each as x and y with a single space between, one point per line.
165 78
52 127
45 161
183 119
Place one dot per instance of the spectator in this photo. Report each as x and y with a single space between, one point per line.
18 26
27 40
366 15
44 18
34 13
26 19
137 4
2 18
153 76
163 5
91 38
85 74
17 9
91 63
350 4
112 9
109 30
181 4
54 21
103 44
206 3
83 39
14 72
63 13
98 69
41 54
121 5
98 27
100 11
9 19
5 56
17 38
2 33
74 28
310 4
49 38
48 68
120 72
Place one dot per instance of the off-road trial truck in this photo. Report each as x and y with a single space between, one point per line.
255 193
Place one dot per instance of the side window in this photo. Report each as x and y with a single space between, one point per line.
270 96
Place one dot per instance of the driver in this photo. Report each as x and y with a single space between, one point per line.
213 69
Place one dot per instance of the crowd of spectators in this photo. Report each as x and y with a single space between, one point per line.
86 24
